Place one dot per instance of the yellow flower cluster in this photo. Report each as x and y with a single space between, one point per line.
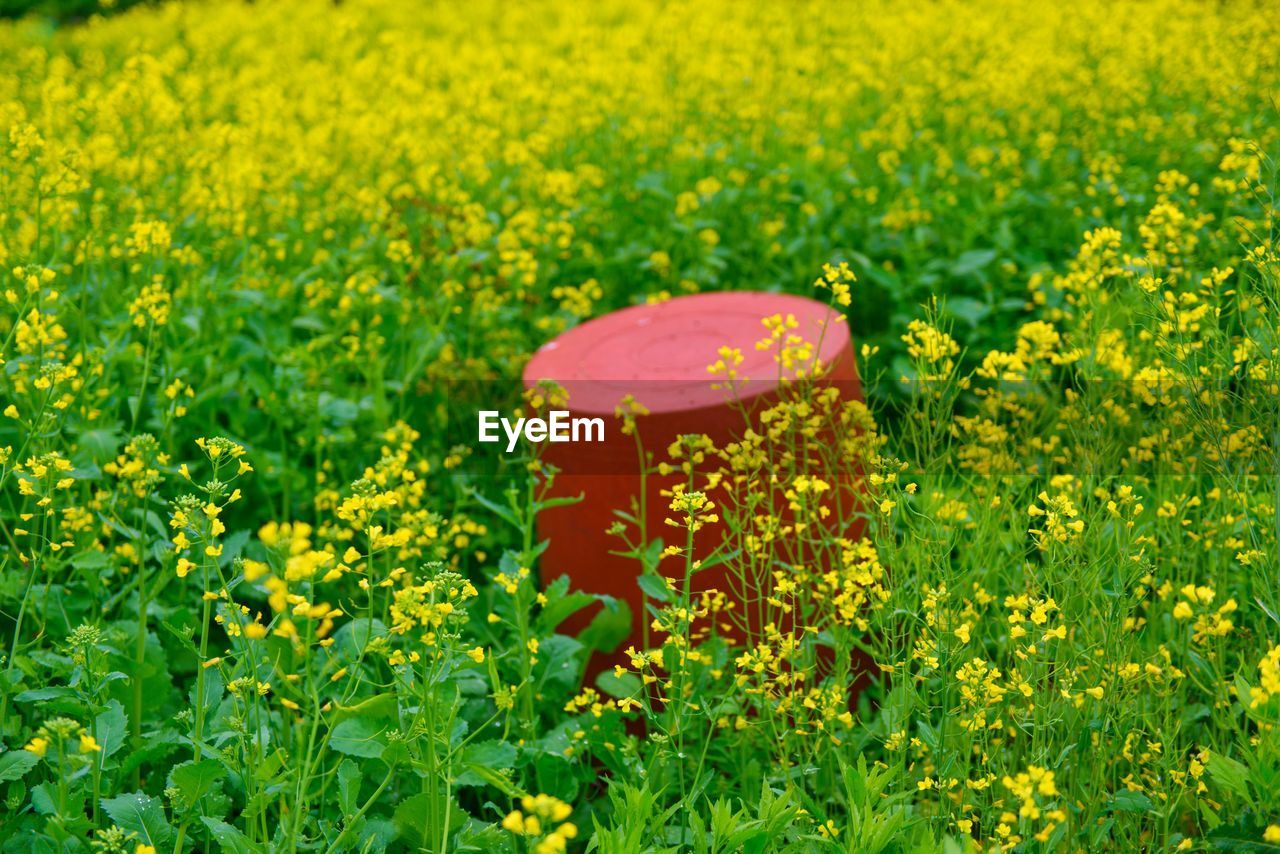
546 820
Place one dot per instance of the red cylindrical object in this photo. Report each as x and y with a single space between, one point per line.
659 354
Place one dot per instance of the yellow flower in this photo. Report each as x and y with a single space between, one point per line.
37 745
476 655
88 744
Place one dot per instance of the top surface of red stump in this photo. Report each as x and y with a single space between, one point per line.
660 352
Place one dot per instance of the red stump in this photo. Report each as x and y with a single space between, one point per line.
659 354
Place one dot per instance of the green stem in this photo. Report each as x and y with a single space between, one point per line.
200 665
139 660
13 646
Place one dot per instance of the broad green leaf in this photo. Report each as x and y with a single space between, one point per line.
42 694
413 819
610 627
554 777
968 309
1230 775
477 775
358 737
110 728
44 800
141 814
561 604
626 685
503 513
348 786
16 763
355 636
229 839
1245 835
490 754
420 820
972 261
1127 801
100 445
194 780
379 707
92 559
655 587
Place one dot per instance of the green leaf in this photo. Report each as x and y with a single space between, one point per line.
562 501
560 661
503 513
358 737
412 817
194 780
183 635
481 762
355 636
717 559
626 685
155 747
1230 775
490 754
348 786
561 604
609 628
416 818
972 261
100 445
554 777
15 764
655 587
43 694
477 775
43 800
142 815
92 559
1127 801
110 728
1245 834
377 707
968 309
230 840
270 767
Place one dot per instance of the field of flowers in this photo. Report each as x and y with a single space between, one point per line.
254 598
